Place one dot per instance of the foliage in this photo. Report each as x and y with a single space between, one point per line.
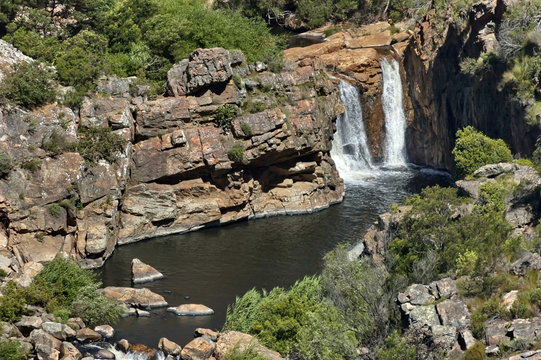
478 66
431 238
249 353
359 291
96 143
474 149
246 128
224 114
54 210
82 59
95 308
10 350
476 352
5 164
298 320
396 347
31 164
56 144
236 153
12 304
29 85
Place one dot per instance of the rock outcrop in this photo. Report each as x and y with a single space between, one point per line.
355 56
446 99
142 273
178 169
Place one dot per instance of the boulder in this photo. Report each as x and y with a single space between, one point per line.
199 348
529 355
191 310
29 323
493 170
423 316
137 297
212 335
444 336
509 298
46 345
234 339
105 354
87 335
143 349
123 345
106 331
526 329
169 347
530 261
142 272
416 294
9 56
454 313
466 339
204 67
59 331
69 350
496 332
76 323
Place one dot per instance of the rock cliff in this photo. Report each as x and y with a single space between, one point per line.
446 99
177 170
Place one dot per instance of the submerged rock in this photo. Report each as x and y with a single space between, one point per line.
191 310
137 297
142 273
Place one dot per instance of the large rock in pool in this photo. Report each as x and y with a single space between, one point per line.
143 298
191 310
142 272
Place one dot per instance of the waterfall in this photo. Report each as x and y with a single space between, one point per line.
350 145
395 119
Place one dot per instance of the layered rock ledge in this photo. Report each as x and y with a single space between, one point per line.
229 141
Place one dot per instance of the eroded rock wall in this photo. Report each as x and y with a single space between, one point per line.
445 99
178 170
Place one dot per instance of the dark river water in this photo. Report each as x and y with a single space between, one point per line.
212 266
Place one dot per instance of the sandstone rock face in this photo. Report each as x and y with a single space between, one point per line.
137 297
198 349
191 310
142 272
355 56
176 172
445 99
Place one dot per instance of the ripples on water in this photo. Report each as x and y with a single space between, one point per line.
213 266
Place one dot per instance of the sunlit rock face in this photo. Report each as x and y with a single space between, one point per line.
230 141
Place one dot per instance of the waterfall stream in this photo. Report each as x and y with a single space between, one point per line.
350 145
395 119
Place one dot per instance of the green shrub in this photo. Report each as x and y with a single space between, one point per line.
236 153
96 143
476 352
298 320
12 304
57 144
3 274
5 164
224 114
473 150
31 164
331 31
29 85
95 308
246 129
397 347
54 210
10 350
248 353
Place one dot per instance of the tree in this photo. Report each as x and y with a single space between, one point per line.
473 149
29 85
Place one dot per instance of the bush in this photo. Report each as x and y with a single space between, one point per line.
473 150
97 143
95 308
55 210
224 114
246 128
298 320
56 144
29 85
10 350
236 153
5 165
397 347
31 165
246 354
476 352
12 304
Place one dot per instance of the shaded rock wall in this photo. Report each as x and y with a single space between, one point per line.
176 172
445 99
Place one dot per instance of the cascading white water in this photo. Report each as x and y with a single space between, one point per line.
395 119
350 149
